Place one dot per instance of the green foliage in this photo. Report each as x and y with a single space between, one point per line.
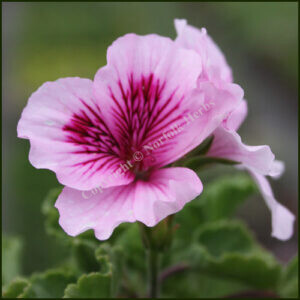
214 255
51 214
288 287
93 285
228 249
224 258
11 258
50 284
219 200
15 288
96 284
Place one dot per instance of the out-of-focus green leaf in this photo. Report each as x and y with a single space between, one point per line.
15 288
84 254
50 284
97 284
228 249
93 285
11 258
134 259
194 284
224 237
288 287
51 214
226 254
111 261
219 200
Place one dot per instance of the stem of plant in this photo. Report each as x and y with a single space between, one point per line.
153 269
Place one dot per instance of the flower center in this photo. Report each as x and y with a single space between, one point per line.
141 175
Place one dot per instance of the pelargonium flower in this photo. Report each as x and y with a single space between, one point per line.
258 160
98 133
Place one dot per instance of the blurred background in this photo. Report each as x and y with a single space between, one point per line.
45 41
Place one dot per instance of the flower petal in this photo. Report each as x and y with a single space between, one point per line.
228 144
215 67
67 134
207 107
282 218
236 117
144 86
277 169
165 193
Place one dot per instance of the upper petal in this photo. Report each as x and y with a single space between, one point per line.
144 87
164 193
68 135
236 117
207 107
215 67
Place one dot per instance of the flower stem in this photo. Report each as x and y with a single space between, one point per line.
153 267
156 240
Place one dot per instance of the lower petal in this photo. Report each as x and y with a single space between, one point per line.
282 218
164 193
167 191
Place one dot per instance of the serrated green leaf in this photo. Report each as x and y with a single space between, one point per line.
11 258
94 285
227 249
50 284
111 263
221 237
84 254
288 286
194 284
15 288
226 257
219 200
51 214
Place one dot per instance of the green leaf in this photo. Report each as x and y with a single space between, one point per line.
97 284
224 258
228 249
50 284
11 258
84 254
94 285
51 214
134 261
111 263
15 288
223 237
194 284
288 286
219 200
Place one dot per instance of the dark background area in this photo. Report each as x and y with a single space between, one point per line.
46 41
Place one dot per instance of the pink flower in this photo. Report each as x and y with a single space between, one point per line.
258 160
118 131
